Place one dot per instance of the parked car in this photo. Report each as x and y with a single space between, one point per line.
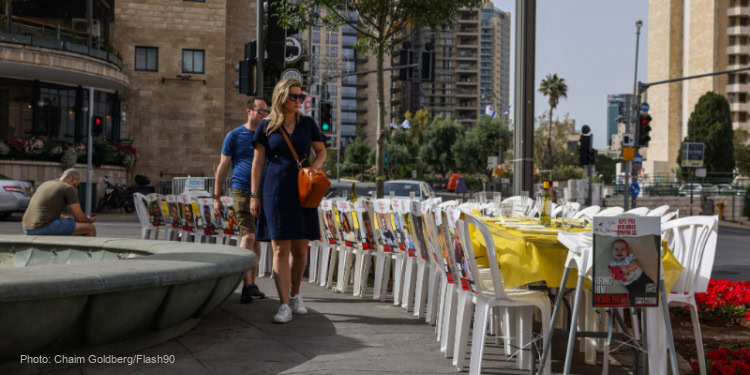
404 188
686 188
14 196
709 189
729 189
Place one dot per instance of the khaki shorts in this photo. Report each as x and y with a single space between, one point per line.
245 219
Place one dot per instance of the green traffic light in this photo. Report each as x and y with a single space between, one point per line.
326 127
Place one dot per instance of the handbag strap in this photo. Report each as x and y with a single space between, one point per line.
291 148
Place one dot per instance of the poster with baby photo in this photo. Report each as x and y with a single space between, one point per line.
328 225
174 211
153 209
185 203
346 223
385 225
208 220
365 228
627 261
462 261
229 217
417 223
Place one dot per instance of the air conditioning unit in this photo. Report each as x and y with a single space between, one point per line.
79 24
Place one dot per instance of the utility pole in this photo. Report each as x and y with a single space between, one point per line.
261 48
523 135
634 114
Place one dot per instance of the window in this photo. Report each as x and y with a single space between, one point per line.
333 51
192 61
332 38
147 59
316 37
316 50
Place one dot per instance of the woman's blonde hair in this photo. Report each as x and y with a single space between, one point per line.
280 95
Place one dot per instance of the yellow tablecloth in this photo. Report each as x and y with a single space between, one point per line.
530 257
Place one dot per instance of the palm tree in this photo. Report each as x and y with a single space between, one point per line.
555 88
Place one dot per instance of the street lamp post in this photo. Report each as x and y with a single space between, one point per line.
634 113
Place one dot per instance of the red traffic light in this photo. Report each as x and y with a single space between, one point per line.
98 120
645 119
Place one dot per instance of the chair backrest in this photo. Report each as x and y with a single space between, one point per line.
345 224
669 216
399 230
384 225
579 250
640 211
520 204
659 211
175 216
363 211
587 213
329 226
449 204
448 256
421 242
611 211
187 213
207 219
466 276
693 243
489 244
431 234
140 209
557 210
228 217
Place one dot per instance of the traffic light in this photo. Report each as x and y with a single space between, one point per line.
592 156
326 118
246 70
644 128
584 146
98 125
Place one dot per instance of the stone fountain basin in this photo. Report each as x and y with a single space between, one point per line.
74 295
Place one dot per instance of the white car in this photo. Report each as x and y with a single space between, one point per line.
14 196
404 188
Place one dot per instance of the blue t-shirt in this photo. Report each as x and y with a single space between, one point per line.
239 146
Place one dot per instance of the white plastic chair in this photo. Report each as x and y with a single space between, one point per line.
387 249
146 226
347 246
424 259
611 211
367 245
330 242
693 243
659 211
587 213
669 216
436 279
494 294
640 211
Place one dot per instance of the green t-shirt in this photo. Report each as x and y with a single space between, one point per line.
48 203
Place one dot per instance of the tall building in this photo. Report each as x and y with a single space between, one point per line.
689 37
472 69
617 105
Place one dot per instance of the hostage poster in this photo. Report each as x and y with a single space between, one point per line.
627 261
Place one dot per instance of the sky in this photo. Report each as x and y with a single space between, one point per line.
591 44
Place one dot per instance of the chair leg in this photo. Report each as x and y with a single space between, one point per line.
546 333
573 325
379 272
398 279
348 260
590 344
332 266
449 322
365 274
262 262
407 295
433 296
325 252
388 263
357 287
607 343
463 319
510 319
144 233
313 266
698 339
555 310
441 307
481 313
420 293
340 271
525 323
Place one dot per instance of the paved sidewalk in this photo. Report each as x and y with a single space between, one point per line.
341 335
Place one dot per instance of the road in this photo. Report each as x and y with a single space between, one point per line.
732 260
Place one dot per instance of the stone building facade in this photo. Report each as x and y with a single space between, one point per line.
179 112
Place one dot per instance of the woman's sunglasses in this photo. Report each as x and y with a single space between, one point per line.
296 97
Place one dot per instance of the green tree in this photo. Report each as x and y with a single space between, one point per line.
561 153
567 172
607 167
711 124
379 24
742 151
356 156
482 140
419 121
436 146
554 88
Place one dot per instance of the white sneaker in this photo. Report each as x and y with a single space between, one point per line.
298 306
283 315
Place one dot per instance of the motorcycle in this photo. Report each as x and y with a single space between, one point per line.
116 196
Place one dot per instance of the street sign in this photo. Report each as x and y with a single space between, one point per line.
492 162
700 172
628 153
292 73
628 140
692 154
645 107
635 189
637 161
293 50
325 96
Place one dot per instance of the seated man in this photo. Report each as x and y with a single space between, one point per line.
44 214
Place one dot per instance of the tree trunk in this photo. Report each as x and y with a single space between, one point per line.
549 141
379 153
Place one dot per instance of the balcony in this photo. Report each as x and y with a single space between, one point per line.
738 30
466 67
738 11
358 109
738 49
738 107
466 29
738 87
735 66
355 97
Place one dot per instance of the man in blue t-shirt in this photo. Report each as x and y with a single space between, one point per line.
238 150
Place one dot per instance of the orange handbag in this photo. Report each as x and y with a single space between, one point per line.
311 186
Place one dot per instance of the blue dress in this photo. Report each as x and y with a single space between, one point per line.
281 217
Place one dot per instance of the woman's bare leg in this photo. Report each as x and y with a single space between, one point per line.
281 268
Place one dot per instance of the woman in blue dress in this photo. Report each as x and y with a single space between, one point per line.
274 196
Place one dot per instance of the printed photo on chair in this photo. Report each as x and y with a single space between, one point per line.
627 261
